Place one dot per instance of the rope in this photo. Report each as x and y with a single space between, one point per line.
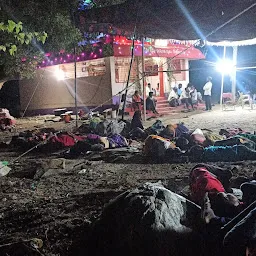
42 75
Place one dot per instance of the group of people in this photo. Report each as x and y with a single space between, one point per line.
188 96
137 101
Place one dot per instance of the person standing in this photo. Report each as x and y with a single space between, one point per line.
148 89
136 101
208 93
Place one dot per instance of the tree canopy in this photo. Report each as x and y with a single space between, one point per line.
23 48
55 18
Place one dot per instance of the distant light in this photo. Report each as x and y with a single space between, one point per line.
225 66
60 74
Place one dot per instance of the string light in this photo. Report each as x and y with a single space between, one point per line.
124 47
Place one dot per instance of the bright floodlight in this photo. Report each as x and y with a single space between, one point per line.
225 66
60 74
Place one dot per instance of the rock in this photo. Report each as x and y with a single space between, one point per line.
53 172
150 220
58 163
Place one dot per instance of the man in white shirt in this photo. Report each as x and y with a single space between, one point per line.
208 93
148 89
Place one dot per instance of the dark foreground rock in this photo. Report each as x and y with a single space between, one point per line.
150 220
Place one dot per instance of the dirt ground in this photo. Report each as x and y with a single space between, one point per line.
57 200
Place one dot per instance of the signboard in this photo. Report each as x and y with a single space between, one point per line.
122 66
84 68
180 51
151 70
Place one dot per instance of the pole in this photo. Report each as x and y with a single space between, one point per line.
222 78
235 50
143 79
75 87
129 74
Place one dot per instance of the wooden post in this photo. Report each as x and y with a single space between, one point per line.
222 78
161 78
75 87
235 50
143 80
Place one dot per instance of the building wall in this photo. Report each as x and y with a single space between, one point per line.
180 77
52 93
118 87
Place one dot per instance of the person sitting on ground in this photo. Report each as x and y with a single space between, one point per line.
136 101
186 98
179 90
151 103
173 97
199 97
137 129
193 94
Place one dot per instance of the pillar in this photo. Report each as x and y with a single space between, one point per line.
235 50
161 78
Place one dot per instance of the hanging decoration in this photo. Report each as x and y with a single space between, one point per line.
101 46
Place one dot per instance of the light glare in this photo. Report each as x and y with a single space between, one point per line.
225 66
60 74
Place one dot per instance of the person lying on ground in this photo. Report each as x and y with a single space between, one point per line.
221 154
241 233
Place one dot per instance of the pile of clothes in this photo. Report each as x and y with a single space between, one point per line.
7 121
106 136
173 143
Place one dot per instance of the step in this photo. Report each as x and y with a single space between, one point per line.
162 101
160 98
162 105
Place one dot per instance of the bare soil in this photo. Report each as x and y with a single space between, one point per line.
57 200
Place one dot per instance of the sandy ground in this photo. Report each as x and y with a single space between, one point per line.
56 200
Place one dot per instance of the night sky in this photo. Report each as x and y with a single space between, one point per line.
246 57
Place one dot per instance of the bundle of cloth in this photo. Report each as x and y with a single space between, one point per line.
56 140
94 142
48 137
6 120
